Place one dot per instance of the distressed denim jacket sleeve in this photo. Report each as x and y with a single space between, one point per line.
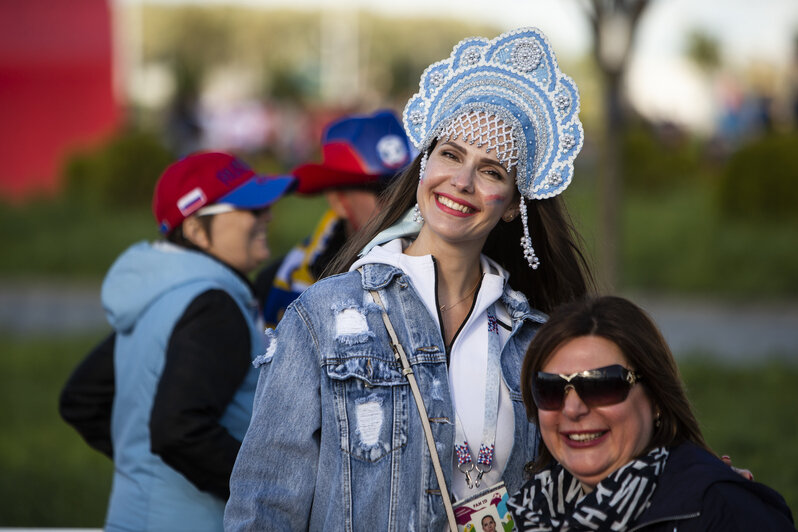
274 490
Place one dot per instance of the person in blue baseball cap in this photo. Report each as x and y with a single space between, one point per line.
361 154
168 394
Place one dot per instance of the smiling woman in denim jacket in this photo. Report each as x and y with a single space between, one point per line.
335 440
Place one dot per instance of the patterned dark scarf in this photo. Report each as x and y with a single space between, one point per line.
553 500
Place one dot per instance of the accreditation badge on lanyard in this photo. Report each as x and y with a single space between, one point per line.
491 502
477 512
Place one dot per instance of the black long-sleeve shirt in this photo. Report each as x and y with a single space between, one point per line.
207 358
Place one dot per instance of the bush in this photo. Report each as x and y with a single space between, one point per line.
656 160
120 173
675 242
760 181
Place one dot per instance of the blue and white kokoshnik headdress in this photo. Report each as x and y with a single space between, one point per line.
507 93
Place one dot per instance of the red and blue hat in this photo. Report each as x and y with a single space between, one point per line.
206 178
357 151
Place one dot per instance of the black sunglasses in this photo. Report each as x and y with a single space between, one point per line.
596 387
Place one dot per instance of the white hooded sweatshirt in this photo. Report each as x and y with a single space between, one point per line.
468 355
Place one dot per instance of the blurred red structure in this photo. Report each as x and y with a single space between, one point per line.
56 88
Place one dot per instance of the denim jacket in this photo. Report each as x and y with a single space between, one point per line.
335 441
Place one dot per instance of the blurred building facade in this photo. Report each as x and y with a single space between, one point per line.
56 88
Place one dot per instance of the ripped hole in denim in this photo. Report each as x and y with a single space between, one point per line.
369 422
350 321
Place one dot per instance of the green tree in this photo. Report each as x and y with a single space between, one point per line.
703 50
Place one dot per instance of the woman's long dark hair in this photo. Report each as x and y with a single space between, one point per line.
626 325
563 274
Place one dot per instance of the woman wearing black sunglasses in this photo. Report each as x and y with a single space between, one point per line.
622 449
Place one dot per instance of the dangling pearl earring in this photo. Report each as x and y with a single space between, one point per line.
422 169
417 215
658 420
526 242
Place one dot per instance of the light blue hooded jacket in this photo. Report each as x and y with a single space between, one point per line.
144 294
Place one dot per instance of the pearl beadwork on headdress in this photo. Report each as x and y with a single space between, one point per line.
526 56
477 128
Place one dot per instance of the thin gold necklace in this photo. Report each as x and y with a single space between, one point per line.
444 308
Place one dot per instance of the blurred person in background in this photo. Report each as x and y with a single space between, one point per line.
621 446
361 155
168 395
338 440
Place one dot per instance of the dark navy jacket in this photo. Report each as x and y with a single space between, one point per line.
698 492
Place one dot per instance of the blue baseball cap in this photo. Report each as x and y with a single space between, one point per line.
357 150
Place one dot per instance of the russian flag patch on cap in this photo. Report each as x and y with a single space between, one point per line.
191 201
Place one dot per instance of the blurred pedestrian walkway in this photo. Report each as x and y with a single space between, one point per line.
736 332
50 308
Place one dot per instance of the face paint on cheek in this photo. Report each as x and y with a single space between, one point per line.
495 198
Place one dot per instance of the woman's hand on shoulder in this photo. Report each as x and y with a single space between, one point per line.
745 473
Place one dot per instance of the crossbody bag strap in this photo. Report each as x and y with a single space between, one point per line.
407 371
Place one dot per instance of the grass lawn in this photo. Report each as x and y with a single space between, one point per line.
52 478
